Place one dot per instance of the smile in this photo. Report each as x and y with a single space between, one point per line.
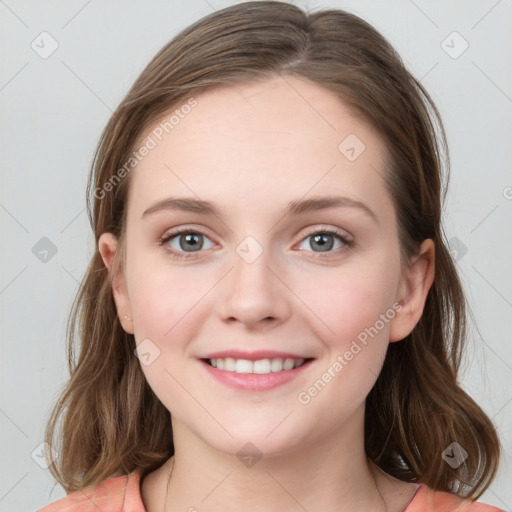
259 366
259 373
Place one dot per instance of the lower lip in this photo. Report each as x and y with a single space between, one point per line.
254 381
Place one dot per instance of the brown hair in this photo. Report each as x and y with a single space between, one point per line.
112 422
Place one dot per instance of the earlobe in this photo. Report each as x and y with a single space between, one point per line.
108 248
414 289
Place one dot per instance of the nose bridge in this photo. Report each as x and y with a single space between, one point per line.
252 292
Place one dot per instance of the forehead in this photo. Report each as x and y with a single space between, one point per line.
274 140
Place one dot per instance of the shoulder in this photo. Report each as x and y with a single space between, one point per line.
117 494
430 500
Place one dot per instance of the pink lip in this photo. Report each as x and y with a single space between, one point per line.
252 356
253 381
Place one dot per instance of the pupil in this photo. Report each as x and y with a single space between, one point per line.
323 241
320 241
195 241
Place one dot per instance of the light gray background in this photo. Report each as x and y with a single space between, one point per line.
53 111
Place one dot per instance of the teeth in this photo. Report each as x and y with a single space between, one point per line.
229 364
276 365
261 366
288 364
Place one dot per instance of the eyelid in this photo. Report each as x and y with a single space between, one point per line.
181 230
308 232
324 228
345 237
185 229
164 242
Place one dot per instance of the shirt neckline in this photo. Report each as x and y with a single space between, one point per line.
419 486
138 485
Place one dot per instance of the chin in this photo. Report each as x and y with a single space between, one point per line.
252 441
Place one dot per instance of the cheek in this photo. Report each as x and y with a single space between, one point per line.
353 310
165 304
163 298
345 304
355 342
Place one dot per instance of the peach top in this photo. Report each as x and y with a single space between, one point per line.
122 494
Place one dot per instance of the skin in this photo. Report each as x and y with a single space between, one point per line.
250 150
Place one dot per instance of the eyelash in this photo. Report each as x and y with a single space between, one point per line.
347 244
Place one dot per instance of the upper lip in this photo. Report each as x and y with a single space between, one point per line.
253 356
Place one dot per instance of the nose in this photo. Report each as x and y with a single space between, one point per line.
254 294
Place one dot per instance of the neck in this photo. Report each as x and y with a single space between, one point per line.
332 473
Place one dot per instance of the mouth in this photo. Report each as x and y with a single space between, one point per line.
255 372
259 366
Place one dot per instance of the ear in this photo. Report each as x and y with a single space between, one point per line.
413 292
108 247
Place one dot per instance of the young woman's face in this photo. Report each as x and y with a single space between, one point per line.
288 250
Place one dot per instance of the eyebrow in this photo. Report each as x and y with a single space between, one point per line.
295 207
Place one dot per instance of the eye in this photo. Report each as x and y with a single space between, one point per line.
181 243
326 240
185 242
